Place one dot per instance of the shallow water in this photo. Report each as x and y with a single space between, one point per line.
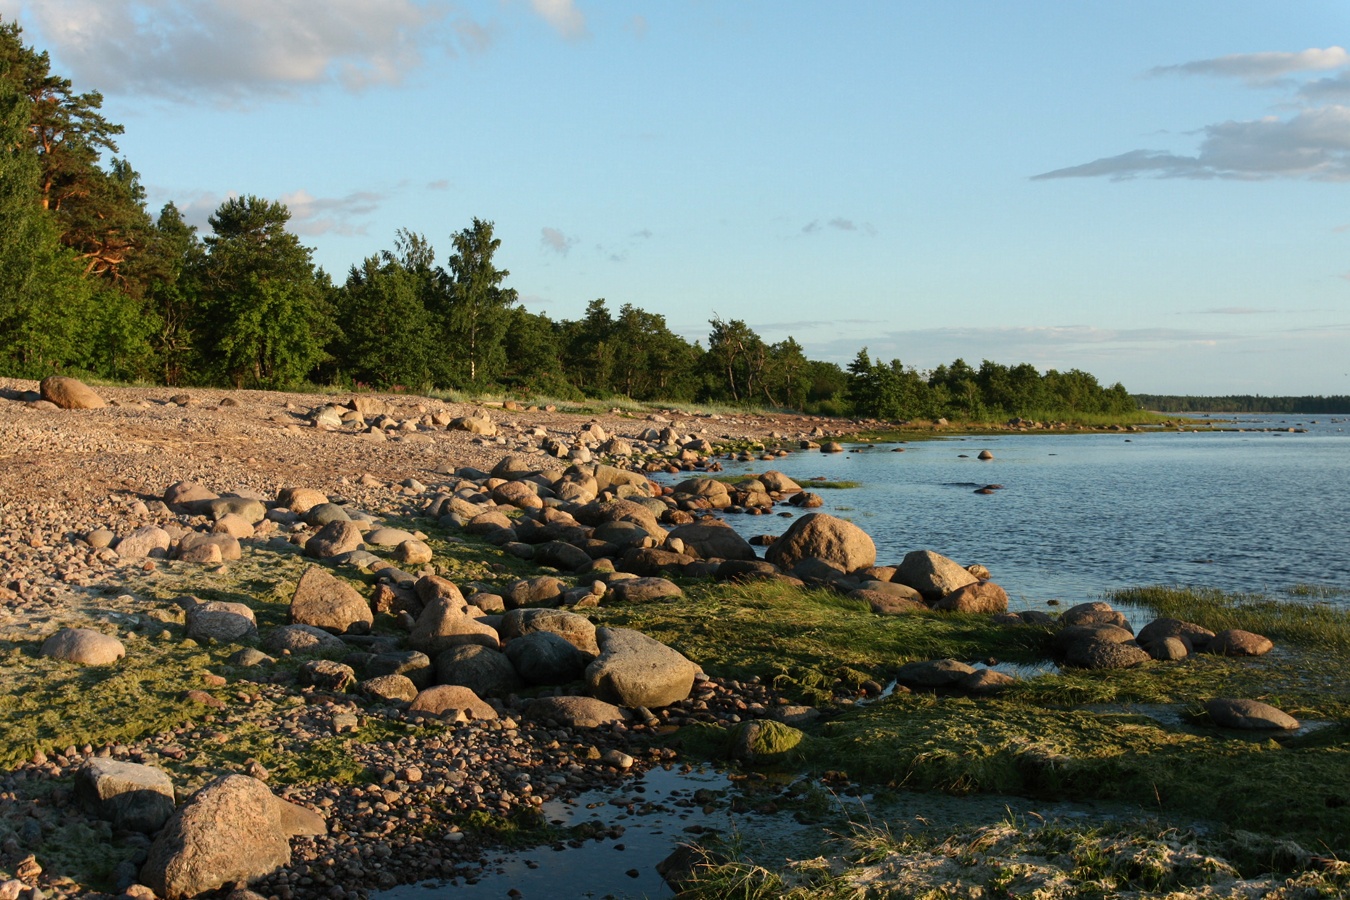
1080 515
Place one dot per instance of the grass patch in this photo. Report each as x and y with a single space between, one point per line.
1313 625
805 641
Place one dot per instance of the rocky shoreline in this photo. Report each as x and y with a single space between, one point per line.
443 689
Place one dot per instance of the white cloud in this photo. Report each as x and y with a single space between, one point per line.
838 223
1312 144
312 215
1262 67
555 240
563 15
185 49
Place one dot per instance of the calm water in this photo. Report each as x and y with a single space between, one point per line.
1079 515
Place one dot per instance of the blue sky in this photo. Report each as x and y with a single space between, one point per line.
1155 192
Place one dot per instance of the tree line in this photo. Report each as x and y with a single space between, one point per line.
1336 404
91 282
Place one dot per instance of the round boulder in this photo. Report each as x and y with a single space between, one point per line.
69 393
1250 715
84 646
820 536
932 574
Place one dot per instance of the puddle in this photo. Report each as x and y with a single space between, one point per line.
643 822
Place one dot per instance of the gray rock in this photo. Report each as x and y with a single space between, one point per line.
1249 715
389 688
574 712
302 639
644 590
635 670
1095 613
254 511
486 672
322 514
327 675
576 629
412 664
713 539
1236 642
84 646
545 658
144 541
934 673
446 623
131 796
1106 654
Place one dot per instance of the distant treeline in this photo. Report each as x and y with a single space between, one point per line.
1245 403
92 283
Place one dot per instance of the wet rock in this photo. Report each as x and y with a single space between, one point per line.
1236 642
1251 715
934 673
84 646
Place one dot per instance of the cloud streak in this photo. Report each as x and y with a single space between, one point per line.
1310 144
563 16
555 240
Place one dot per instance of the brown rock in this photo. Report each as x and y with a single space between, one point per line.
446 699
819 536
1235 642
983 597
69 393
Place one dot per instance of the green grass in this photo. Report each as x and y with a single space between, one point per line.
1307 624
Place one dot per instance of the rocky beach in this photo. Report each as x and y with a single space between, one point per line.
311 646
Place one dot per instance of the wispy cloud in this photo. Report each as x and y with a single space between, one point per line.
1261 67
1237 311
555 240
564 16
839 223
1312 143
311 216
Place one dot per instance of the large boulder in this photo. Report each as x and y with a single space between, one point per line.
221 620
300 500
644 590
545 658
486 672
1197 636
1236 642
575 712
446 623
635 670
450 700
325 601
820 536
932 574
232 830
576 629
207 548
337 537
302 639
1250 715
148 540
1095 612
132 796
717 495
983 597
713 539
69 393
84 646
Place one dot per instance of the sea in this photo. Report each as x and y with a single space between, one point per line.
1244 504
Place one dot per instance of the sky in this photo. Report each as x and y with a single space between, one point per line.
1153 192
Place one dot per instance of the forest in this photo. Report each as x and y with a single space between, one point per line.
92 283
1246 403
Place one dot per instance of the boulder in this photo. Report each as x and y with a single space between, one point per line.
1249 715
1197 636
322 514
764 741
486 672
222 621
133 797
635 670
326 675
574 712
575 629
644 590
414 553
742 570
208 548
232 830
148 540
300 500
387 537
187 494
983 597
934 673
334 539
302 639
84 646
776 481
253 511
717 495
820 536
325 601
932 574
69 393
449 700
1168 649
545 658
1236 642
713 539
446 623
888 603
388 688
1097 653
561 555
542 590
1094 613
413 665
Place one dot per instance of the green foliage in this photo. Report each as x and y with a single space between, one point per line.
474 308
1336 404
262 316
